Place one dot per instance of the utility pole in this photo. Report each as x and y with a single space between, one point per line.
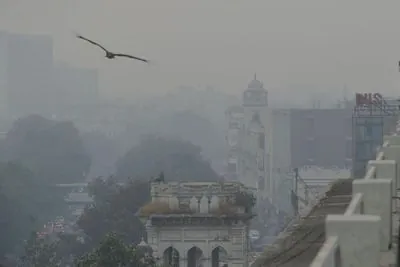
398 234
295 191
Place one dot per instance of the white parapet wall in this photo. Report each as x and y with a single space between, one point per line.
358 237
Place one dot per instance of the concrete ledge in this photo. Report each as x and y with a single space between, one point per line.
371 172
329 255
385 169
377 200
380 155
366 228
357 235
392 152
356 205
392 139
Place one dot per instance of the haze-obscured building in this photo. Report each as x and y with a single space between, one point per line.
373 117
264 145
248 139
75 92
321 137
31 83
26 72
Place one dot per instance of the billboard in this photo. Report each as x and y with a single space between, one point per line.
369 99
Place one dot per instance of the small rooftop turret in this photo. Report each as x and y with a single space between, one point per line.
255 94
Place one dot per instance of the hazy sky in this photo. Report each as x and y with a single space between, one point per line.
324 44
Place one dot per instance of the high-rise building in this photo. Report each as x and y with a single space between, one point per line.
28 67
3 73
30 82
249 140
265 144
75 91
256 139
321 137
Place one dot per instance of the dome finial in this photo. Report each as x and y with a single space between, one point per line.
255 84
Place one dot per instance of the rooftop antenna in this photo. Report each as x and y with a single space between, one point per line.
255 76
345 91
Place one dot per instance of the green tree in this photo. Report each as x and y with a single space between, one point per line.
178 159
114 209
24 204
70 246
52 250
115 206
103 151
197 129
36 154
40 252
52 150
112 251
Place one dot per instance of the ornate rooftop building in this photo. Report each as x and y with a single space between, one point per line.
199 224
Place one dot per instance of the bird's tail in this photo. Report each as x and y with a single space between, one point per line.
151 63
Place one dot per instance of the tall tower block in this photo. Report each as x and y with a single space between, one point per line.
257 143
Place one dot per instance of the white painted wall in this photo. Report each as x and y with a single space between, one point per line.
205 238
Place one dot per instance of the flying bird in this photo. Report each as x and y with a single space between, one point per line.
109 54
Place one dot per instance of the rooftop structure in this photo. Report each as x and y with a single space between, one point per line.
371 217
300 242
248 140
199 224
373 115
255 95
355 224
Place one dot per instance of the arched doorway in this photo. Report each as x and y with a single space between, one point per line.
195 257
219 257
171 257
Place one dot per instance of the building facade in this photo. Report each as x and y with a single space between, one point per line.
29 73
199 224
264 145
373 116
316 131
235 128
32 83
249 140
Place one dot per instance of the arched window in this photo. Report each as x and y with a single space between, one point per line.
219 257
195 257
171 257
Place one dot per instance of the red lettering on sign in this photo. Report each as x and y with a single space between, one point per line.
368 99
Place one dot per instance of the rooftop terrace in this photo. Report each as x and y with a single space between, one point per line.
182 200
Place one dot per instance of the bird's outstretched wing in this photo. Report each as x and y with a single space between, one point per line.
92 42
129 56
